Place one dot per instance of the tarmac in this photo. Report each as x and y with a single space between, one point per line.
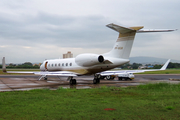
28 82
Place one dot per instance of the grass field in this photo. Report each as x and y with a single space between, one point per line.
150 102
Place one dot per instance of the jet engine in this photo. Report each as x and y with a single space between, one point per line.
89 59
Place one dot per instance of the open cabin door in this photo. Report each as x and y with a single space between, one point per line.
46 65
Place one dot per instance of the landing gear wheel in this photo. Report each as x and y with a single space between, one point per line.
119 78
45 78
95 81
108 77
124 79
97 76
98 80
72 81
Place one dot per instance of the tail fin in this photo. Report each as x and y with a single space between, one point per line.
3 65
123 45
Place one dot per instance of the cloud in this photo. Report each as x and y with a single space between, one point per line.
37 30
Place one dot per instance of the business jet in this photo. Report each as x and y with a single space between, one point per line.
89 64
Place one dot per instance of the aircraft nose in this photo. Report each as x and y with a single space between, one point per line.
42 67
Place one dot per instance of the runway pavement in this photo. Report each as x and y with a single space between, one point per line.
27 82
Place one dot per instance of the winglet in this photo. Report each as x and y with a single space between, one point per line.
3 65
165 65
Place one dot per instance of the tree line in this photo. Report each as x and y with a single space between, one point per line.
137 65
28 65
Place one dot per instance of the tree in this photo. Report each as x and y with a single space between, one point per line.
28 63
136 65
157 66
173 65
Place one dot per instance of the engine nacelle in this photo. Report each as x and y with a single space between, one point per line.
89 59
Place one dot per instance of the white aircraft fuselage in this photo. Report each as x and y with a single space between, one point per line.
82 66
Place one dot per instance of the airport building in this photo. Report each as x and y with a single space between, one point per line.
68 55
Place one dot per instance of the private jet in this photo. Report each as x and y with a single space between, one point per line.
97 64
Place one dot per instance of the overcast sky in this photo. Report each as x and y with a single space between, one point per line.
35 30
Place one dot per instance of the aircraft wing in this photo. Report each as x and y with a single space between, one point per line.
57 73
46 73
105 73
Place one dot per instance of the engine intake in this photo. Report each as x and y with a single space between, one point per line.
101 59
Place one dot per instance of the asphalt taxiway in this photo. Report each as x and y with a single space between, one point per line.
27 82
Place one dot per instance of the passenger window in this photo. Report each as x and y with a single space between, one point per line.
63 64
66 64
55 64
70 64
52 65
59 64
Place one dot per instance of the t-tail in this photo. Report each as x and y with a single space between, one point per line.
123 45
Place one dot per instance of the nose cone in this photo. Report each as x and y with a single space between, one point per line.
42 68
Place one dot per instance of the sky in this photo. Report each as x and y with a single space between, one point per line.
35 30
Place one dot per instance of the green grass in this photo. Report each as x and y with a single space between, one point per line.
151 101
168 71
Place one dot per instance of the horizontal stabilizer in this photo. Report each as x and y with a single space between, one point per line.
155 30
123 30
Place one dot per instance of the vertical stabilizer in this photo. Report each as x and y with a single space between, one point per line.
3 65
123 45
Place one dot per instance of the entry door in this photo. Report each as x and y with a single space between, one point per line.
46 65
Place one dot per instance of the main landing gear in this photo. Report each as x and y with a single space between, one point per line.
97 78
71 80
43 76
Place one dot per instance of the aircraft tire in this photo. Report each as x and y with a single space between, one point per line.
45 78
124 79
97 76
98 80
108 77
74 81
71 82
119 78
94 81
